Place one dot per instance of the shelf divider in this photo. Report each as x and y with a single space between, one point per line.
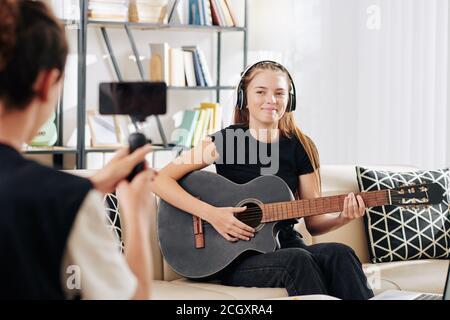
111 53
81 111
163 27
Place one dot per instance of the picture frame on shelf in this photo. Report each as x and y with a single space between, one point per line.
105 130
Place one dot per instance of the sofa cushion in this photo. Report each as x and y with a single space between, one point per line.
111 203
341 179
240 293
395 233
166 290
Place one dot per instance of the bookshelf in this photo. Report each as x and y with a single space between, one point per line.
160 26
82 26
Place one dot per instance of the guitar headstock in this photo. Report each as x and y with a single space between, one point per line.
417 195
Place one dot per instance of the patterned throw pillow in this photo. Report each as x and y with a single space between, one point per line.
396 233
111 203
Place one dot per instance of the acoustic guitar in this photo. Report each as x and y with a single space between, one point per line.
194 249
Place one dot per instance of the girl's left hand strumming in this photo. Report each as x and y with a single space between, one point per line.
354 208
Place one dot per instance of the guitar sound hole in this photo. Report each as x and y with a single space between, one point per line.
252 216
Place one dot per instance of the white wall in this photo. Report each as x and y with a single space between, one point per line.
366 95
448 99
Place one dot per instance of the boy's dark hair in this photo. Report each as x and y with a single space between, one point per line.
31 40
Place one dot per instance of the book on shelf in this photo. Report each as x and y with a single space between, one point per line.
159 62
232 13
203 12
189 68
202 72
226 13
204 67
194 14
220 13
216 19
223 13
176 68
200 80
207 12
108 10
194 125
215 121
179 67
202 126
185 132
148 11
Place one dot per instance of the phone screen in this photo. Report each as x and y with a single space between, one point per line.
139 99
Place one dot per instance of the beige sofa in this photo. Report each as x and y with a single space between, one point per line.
423 275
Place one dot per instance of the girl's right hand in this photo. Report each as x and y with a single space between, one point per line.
224 221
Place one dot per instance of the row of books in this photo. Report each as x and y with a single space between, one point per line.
196 124
197 12
108 10
212 12
179 67
145 11
148 11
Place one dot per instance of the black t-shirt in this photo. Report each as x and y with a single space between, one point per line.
242 158
38 207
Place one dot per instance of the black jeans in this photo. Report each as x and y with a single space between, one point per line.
325 268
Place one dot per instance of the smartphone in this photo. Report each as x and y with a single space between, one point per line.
137 99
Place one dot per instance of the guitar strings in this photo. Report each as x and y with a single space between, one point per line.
310 207
257 213
333 202
314 206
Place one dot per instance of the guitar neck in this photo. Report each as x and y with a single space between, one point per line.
304 208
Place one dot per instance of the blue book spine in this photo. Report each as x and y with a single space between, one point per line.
198 70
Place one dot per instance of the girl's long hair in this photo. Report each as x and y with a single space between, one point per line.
287 124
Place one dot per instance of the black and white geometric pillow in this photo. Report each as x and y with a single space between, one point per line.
111 203
396 233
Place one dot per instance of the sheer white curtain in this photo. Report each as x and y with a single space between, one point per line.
372 76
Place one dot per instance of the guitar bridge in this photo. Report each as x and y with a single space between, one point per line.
199 237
